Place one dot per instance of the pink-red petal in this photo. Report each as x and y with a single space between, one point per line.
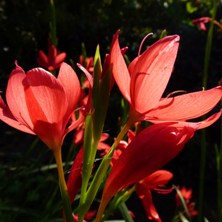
207 122
43 59
119 68
60 58
71 86
15 97
196 125
151 73
187 106
47 105
7 117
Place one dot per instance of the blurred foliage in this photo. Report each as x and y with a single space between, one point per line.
24 27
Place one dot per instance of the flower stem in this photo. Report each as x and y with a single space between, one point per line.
63 187
52 24
203 136
125 213
102 170
219 177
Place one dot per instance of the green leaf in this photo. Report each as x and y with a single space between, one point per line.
190 7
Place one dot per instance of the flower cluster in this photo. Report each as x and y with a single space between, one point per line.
50 107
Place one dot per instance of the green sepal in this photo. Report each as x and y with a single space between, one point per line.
163 33
96 77
87 168
119 198
101 88
88 140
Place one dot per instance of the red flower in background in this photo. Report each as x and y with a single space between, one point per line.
87 63
154 182
201 22
41 104
52 60
187 197
88 216
122 145
144 81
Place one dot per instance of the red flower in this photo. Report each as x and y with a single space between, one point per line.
201 22
153 182
51 61
87 63
187 196
41 104
151 149
146 78
122 145
88 216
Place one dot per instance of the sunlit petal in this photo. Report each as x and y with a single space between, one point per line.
15 97
151 73
119 68
47 105
7 117
69 81
187 106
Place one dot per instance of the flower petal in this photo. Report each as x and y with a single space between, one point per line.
15 97
158 178
60 58
47 105
7 117
151 73
145 153
52 53
188 106
43 59
119 68
147 200
207 122
71 86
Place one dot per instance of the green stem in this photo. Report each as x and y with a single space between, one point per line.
63 187
88 161
219 177
202 175
101 171
125 213
203 136
121 197
52 24
207 55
